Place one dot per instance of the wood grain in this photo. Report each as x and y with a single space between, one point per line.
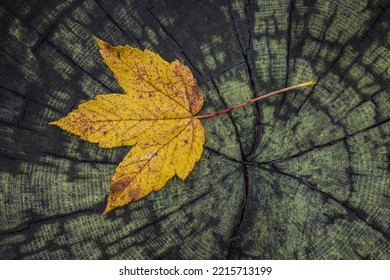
303 175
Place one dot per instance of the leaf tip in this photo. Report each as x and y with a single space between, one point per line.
101 43
107 210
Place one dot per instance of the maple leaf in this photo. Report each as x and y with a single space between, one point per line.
156 116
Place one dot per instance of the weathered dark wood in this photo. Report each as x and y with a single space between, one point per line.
303 175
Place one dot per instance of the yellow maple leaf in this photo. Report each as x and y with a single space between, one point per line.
156 116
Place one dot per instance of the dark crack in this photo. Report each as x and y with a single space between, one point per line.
117 25
236 231
231 119
250 73
54 25
80 68
376 20
19 126
36 222
29 97
159 219
24 110
328 144
221 154
175 40
245 173
290 11
344 204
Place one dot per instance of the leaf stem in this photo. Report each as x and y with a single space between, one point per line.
310 83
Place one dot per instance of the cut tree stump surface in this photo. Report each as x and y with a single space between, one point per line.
301 175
